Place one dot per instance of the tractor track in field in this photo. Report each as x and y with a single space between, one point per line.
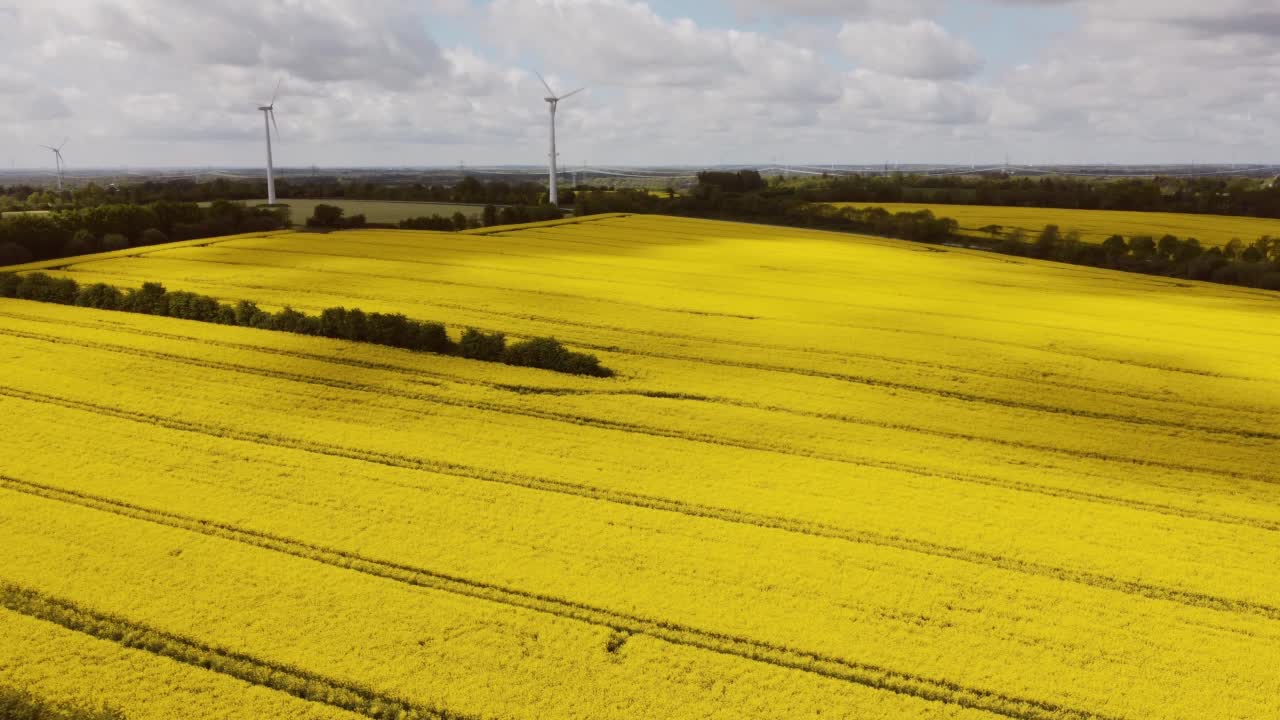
438 379
379 390
662 504
866 674
310 686
941 367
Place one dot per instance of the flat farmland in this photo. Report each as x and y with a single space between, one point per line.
1095 226
379 211
834 476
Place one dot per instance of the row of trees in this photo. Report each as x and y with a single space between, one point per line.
1254 265
392 329
469 190
1218 196
715 197
509 215
332 217
41 236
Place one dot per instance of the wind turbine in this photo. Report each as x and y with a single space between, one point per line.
553 100
57 159
269 121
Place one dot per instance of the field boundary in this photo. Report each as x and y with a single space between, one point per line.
63 262
543 224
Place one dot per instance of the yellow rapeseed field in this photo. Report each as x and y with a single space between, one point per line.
1095 226
835 476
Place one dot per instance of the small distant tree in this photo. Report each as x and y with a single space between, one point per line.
11 253
41 287
86 239
99 295
325 216
489 216
1047 242
1168 246
76 246
114 241
1115 246
1142 247
1188 250
992 230
152 236
478 345
459 221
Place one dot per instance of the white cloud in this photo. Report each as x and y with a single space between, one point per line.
878 9
916 49
413 82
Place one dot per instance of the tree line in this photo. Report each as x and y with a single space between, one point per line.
41 236
1253 265
390 329
469 190
1215 196
745 196
332 217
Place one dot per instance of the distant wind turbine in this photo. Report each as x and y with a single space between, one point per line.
269 121
553 100
57 159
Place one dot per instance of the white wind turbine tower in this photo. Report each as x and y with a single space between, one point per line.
553 100
269 121
57 159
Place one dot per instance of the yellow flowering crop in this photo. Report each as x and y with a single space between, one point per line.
835 476
1095 226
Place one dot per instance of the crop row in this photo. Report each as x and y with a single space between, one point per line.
544 484
293 681
637 485
728 593
400 641
586 417
675 633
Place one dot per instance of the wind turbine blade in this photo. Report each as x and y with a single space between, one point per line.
64 142
272 113
575 92
48 147
551 92
274 94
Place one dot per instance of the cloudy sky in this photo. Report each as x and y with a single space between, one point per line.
438 82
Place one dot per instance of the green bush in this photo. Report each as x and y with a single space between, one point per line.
150 299
431 337
290 320
42 288
101 296
9 284
152 236
11 253
115 241
190 306
478 345
549 354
